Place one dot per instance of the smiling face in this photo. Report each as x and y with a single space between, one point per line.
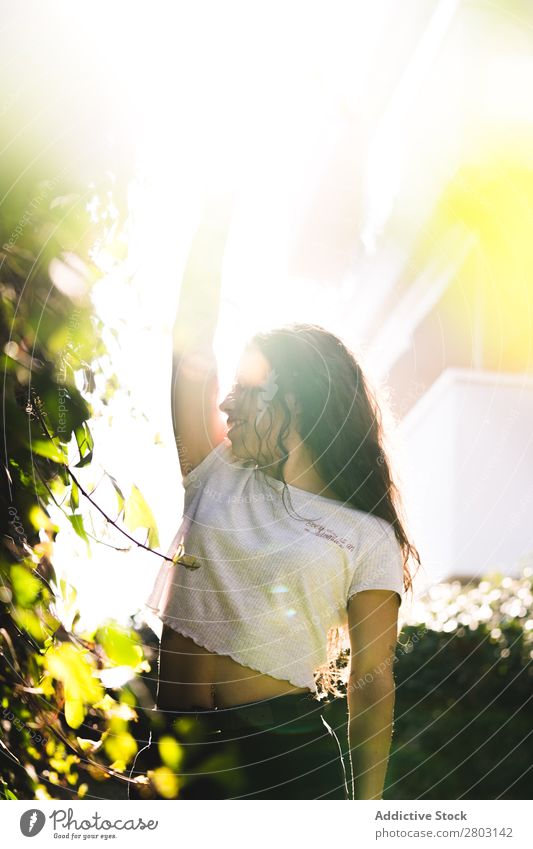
254 413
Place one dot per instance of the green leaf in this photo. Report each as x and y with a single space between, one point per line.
120 495
74 712
7 363
74 500
48 448
64 475
171 752
68 664
166 782
25 585
40 519
30 622
68 592
121 646
76 521
70 413
87 745
121 746
5 792
137 514
85 445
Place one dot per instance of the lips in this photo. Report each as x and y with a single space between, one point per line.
233 423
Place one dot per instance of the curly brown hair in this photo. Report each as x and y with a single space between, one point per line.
341 421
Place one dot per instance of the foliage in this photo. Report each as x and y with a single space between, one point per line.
463 717
464 686
66 714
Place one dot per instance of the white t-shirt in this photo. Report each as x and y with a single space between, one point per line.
265 587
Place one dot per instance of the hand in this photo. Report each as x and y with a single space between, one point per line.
224 164
218 207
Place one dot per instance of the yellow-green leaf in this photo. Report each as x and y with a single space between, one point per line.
40 520
121 746
166 782
119 712
30 622
137 514
121 645
118 491
85 444
118 766
76 520
74 712
68 664
171 752
74 500
8 794
25 585
48 448
87 745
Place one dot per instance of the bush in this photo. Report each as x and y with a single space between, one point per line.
463 712
464 685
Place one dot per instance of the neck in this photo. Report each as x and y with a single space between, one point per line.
301 472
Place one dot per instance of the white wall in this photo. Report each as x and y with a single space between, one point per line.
468 478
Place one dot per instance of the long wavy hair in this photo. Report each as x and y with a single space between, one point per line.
341 421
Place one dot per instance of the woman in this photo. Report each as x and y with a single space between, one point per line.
290 530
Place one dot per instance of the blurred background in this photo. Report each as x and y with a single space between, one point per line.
383 158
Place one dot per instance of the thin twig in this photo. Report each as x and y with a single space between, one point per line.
89 498
108 519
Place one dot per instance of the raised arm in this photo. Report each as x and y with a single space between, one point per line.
198 424
373 627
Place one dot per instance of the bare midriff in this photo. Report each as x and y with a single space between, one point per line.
192 677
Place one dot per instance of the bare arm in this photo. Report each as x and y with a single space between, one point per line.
373 626
198 424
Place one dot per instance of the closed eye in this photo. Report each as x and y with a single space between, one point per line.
238 387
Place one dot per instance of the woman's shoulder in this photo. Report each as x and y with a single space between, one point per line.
372 533
367 523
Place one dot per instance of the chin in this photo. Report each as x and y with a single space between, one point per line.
238 450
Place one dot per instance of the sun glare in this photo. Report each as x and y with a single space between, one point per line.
320 122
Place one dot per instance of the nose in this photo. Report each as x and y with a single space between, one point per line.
227 404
